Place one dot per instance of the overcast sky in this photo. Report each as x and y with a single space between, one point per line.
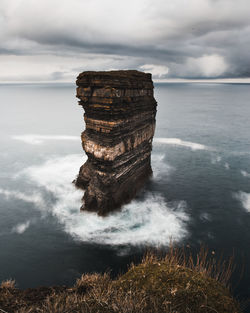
54 40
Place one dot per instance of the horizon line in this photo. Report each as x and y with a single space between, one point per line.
157 81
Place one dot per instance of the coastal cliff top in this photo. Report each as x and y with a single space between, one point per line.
157 284
120 79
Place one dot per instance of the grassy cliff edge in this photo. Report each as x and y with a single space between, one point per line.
175 283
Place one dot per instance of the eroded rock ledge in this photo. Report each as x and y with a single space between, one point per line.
119 114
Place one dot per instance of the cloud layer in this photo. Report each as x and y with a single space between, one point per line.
54 40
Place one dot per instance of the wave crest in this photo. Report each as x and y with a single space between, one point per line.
244 198
179 142
34 139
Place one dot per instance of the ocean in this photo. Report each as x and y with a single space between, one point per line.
199 193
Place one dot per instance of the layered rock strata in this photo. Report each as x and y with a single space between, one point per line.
119 114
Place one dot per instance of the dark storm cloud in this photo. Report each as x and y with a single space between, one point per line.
78 46
185 39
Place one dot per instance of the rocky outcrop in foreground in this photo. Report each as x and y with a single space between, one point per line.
119 114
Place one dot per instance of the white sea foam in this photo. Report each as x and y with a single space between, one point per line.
215 159
244 198
35 139
160 167
21 228
35 197
245 174
149 221
57 173
179 142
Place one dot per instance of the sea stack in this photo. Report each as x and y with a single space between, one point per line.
119 114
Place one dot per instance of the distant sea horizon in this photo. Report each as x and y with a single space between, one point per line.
156 81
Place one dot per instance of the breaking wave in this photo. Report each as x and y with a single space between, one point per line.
150 221
21 228
33 139
245 174
160 167
35 197
178 142
244 198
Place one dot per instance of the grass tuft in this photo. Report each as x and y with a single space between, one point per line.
8 284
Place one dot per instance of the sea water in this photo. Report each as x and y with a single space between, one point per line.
199 193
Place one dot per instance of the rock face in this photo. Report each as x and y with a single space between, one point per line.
119 114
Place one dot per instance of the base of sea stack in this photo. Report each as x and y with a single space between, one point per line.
104 195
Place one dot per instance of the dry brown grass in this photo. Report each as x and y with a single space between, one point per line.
174 283
187 283
8 284
204 262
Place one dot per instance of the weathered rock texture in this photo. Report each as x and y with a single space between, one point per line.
119 114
